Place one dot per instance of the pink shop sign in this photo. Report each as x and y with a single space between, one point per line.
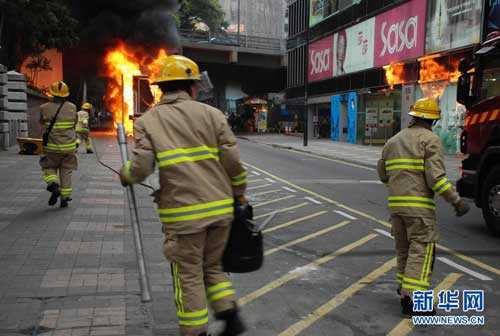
400 33
321 59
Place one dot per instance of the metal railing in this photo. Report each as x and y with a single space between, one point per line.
232 39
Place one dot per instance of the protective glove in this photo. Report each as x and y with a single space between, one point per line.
241 199
123 179
461 208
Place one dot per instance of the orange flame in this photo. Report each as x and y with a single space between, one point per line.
122 64
435 77
394 74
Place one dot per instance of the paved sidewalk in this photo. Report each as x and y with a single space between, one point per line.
73 271
357 154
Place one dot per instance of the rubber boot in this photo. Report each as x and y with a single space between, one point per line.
65 201
234 325
54 189
90 151
407 308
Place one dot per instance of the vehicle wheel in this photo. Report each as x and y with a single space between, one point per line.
490 200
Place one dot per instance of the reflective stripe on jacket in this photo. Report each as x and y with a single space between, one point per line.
83 121
62 138
412 167
198 160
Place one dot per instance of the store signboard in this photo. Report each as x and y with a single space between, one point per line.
321 59
321 9
400 33
354 48
493 15
452 24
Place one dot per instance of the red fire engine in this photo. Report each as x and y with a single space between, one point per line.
479 91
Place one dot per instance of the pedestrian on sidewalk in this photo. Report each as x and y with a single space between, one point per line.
200 176
58 159
412 167
82 128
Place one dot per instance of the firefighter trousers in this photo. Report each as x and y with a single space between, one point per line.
198 279
59 163
415 239
84 137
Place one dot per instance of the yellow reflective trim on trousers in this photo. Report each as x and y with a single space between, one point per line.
200 313
410 198
406 286
66 191
178 289
221 295
50 178
235 184
79 129
429 263
186 151
426 259
388 162
239 179
413 205
196 207
416 282
443 189
194 323
439 184
197 216
187 159
219 286
404 167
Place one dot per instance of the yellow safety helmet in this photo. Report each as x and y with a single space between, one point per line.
176 68
426 108
87 106
59 89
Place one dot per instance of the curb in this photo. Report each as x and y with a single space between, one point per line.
359 163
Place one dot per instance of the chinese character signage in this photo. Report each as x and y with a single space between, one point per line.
354 48
321 59
452 24
400 33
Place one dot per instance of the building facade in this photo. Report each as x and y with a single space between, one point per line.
356 66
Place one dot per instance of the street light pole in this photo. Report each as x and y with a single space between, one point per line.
306 81
239 30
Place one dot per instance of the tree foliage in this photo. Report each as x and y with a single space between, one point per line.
32 26
209 12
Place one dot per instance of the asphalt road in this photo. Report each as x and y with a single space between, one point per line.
329 267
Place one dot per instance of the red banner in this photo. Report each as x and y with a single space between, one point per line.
321 59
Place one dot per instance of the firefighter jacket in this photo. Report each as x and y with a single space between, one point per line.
62 137
198 159
412 167
83 121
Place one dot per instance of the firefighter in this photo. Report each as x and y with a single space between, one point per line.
412 167
58 159
200 177
82 128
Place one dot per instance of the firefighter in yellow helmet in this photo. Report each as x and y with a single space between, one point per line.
58 159
412 167
82 128
200 177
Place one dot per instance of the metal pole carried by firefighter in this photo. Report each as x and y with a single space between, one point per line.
59 144
412 167
201 178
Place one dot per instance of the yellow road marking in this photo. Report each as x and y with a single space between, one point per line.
259 186
283 210
384 223
405 326
295 221
266 192
273 201
302 270
305 238
339 299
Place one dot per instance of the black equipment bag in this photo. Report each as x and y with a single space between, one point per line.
244 249
45 136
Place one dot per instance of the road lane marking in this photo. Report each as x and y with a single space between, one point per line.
333 160
385 233
342 213
295 221
259 186
265 192
283 210
256 180
305 238
256 173
459 255
406 325
339 299
302 270
464 269
273 201
270 180
312 200
290 189
448 262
